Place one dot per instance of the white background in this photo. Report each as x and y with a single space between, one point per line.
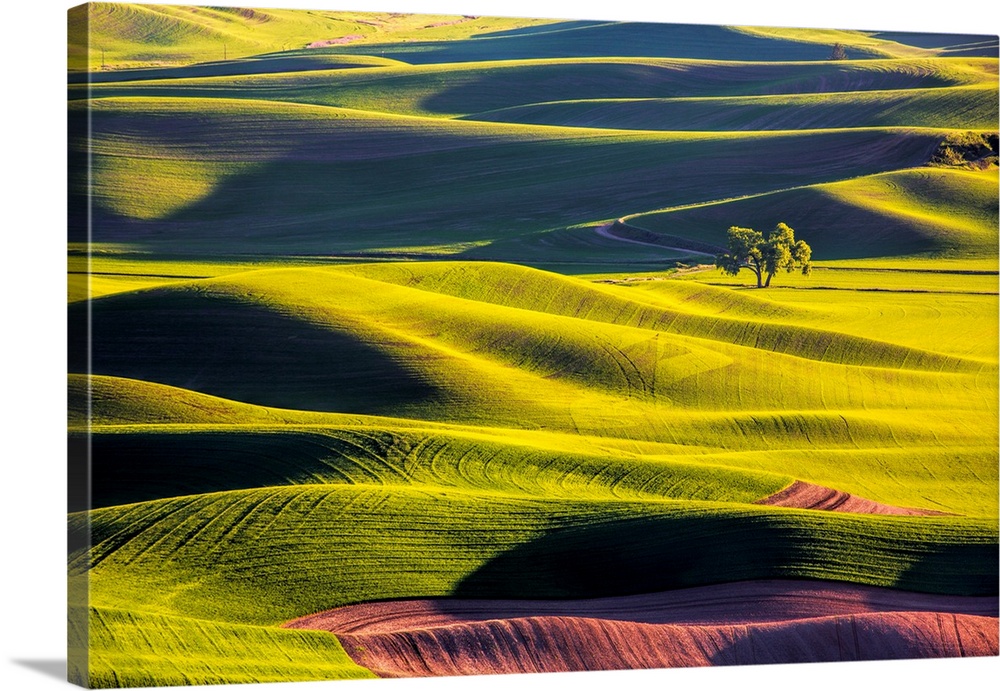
32 334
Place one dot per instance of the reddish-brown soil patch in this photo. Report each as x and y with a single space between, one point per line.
451 23
748 602
805 495
565 644
335 41
767 621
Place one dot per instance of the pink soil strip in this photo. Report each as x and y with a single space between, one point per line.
732 604
451 23
335 41
805 495
566 644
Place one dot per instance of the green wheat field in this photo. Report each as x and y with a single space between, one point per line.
407 308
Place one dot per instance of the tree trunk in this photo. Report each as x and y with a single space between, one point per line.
767 283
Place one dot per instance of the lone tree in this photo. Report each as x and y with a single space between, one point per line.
838 52
749 250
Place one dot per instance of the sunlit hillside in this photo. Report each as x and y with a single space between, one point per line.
400 345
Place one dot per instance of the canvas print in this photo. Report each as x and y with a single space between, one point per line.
411 345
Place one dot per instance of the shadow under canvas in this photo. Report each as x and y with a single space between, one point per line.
52 667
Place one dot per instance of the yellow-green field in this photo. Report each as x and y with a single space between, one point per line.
360 330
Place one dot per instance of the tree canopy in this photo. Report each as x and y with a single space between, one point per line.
748 249
838 52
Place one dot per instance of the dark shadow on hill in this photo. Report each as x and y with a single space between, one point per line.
78 177
571 25
831 239
573 251
628 557
334 186
894 106
140 466
601 39
217 344
522 85
640 555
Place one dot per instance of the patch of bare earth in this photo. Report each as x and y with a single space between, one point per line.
567 644
735 623
746 602
449 23
335 41
805 495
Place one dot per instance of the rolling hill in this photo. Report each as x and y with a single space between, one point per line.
939 212
405 353
164 187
